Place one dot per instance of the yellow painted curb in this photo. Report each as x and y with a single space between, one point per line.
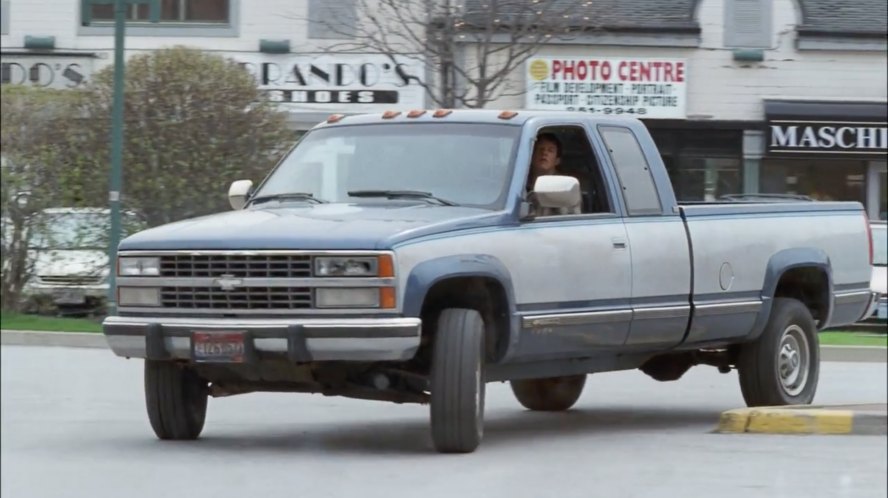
783 420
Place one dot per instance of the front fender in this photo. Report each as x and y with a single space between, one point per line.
426 274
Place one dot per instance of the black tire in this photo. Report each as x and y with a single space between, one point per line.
457 381
176 399
766 366
554 394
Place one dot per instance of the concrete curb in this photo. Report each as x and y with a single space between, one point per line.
849 419
868 354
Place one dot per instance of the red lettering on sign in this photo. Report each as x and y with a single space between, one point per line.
606 70
582 70
556 68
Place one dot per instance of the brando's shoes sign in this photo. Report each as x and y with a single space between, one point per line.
333 83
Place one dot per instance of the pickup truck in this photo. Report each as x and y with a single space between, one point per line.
396 256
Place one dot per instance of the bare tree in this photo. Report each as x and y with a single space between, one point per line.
473 47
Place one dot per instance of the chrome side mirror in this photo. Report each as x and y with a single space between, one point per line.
238 193
557 191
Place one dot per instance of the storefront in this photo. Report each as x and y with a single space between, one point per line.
828 151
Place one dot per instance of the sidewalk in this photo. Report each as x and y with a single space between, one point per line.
864 419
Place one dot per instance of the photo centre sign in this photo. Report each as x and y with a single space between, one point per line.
337 83
639 87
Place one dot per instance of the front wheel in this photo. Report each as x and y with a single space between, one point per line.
457 381
176 399
783 365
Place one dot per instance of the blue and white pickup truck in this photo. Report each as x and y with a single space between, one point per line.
396 257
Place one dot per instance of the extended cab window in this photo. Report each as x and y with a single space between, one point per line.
633 171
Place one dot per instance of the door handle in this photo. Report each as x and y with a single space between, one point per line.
619 243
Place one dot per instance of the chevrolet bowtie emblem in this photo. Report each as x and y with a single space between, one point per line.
228 282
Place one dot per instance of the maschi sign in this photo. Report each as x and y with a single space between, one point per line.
831 138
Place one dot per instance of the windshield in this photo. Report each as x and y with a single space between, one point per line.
880 246
77 230
467 164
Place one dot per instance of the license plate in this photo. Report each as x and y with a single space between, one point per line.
69 296
217 347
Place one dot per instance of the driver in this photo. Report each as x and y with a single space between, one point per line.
545 161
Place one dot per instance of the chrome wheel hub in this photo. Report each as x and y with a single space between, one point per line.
793 360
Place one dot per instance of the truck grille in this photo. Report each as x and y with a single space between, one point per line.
242 298
239 266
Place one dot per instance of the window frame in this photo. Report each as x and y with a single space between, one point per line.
228 29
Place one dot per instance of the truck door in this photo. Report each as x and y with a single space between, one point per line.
658 243
572 272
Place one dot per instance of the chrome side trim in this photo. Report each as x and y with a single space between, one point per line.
583 318
711 309
851 297
661 312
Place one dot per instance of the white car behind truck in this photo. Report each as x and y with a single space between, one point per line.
68 254
394 257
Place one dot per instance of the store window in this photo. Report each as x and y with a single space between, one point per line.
703 165
171 11
332 19
822 180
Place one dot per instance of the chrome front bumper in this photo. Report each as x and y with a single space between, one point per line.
301 340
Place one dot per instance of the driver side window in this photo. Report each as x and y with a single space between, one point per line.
576 159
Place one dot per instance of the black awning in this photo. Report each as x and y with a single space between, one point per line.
814 110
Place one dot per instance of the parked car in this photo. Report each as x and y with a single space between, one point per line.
410 257
879 281
68 248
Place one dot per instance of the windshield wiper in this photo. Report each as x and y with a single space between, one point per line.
404 194
290 196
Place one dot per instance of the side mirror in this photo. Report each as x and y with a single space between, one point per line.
557 191
238 192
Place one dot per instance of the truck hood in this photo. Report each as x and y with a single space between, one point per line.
313 227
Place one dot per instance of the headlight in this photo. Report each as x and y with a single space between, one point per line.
346 266
138 267
138 296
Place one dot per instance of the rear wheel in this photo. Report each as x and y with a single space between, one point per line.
553 394
176 399
783 365
457 381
